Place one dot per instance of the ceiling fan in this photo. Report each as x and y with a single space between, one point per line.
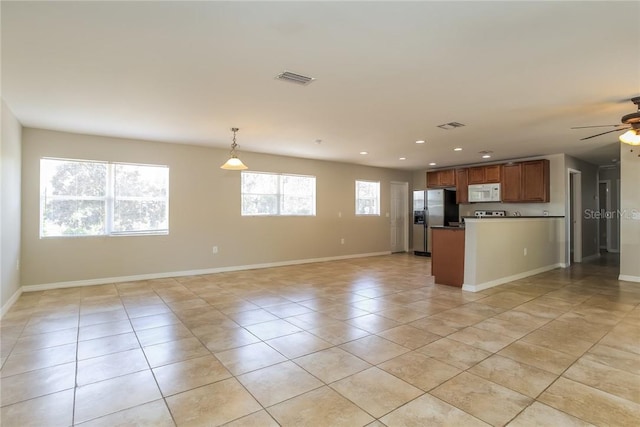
630 121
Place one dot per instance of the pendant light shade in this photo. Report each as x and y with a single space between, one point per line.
234 163
631 137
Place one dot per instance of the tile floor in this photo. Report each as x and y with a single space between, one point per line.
349 343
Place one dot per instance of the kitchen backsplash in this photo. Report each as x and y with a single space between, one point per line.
524 209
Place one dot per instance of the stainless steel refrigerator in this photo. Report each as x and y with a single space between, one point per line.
431 208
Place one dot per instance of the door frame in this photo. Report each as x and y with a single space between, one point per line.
607 208
405 202
574 205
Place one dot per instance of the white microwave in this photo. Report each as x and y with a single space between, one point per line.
484 193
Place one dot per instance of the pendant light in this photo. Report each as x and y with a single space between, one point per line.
234 163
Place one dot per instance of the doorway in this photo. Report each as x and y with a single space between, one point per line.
399 217
574 217
604 221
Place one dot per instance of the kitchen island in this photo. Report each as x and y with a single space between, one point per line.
492 251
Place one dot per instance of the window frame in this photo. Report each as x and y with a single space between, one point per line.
376 198
280 195
110 198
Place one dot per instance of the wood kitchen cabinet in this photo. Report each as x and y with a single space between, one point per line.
441 179
484 174
462 186
447 256
526 182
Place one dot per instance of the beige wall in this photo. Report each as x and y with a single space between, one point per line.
10 149
204 211
630 207
495 249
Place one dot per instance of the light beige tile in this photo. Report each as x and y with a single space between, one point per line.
590 404
104 330
110 366
332 364
105 397
249 358
257 419
428 410
436 326
163 334
614 381
512 374
373 323
454 353
189 374
483 399
32 384
376 391
251 317
374 349
505 327
564 343
420 370
46 340
298 344
279 382
107 345
52 410
540 357
320 407
409 336
272 329
481 338
18 363
103 317
213 404
154 321
539 414
174 351
339 333
227 338
152 414
615 358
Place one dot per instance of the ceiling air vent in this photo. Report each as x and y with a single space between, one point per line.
288 76
451 125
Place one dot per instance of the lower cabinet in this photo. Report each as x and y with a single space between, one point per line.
447 256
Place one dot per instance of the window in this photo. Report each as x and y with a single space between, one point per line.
89 198
278 194
367 198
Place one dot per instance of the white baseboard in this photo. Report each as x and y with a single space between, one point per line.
106 280
614 251
503 280
7 306
627 278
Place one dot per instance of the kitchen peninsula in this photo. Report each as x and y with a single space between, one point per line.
491 251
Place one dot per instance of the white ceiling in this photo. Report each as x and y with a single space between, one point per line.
518 74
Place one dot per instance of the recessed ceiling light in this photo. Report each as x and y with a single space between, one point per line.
432 164
402 158
420 141
318 141
364 152
457 149
486 156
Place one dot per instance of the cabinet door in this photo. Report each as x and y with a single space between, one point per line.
535 181
462 186
492 174
432 179
447 178
511 189
476 175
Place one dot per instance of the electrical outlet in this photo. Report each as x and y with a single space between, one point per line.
18 265
525 251
339 214
215 249
342 241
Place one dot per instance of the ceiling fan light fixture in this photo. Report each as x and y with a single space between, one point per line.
234 163
631 137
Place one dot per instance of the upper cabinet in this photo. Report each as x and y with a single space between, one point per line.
526 182
462 186
484 174
441 178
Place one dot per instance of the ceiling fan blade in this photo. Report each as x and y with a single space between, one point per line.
598 126
603 133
